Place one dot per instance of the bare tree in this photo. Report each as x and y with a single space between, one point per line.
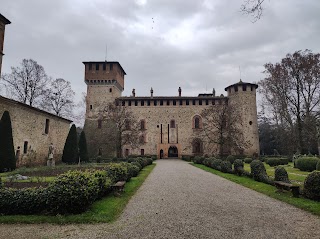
80 110
27 83
253 8
59 98
292 89
222 127
127 128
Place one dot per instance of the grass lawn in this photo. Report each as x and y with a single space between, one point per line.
108 209
303 203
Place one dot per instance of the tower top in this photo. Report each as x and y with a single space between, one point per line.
4 20
105 62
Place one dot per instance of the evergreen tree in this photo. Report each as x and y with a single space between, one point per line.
7 156
70 150
83 151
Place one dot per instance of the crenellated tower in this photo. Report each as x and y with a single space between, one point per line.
243 95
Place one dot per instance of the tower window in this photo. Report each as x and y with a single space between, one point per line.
197 124
213 102
104 66
142 103
200 102
148 102
172 124
135 103
142 125
90 107
207 102
129 103
142 152
194 102
111 66
187 102
251 88
110 90
46 129
168 102
161 102
155 103
90 67
25 147
123 103
244 88
174 102
180 102
236 88
97 67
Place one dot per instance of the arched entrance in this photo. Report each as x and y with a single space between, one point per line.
161 154
173 152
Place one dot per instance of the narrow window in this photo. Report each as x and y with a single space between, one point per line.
97 67
135 103
110 90
213 102
244 88
141 139
194 102
127 152
142 103
142 125
252 88
123 103
148 102
111 66
172 124
90 67
207 102
155 103
187 102
90 107
25 147
46 130
197 123
104 66
200 102
99 123
142 152
236 88
180 102
129 102
161 102
168 102
174 102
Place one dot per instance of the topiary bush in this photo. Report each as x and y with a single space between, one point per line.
137 165
226 166
83 151
306 163
70 151
216 164
318 166
117 172
231 159
258 172
248 160
198 160
312 186
280 174
133 170
276 161
238 167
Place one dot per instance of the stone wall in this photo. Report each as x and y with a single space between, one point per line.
29 132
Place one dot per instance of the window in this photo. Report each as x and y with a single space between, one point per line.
168 102
135 103
148 102
90 107
142 125
110 90
174 102
46 129
180 102
104 66
252 88
194 102
97 67
200 102
172 124
127 152
236 88
141 139
155 103
123 103
244 88
99 123
90 67
142 103
161 102
111 66
142 152
207 102
129 103
187 102
197 123
25 147
213 102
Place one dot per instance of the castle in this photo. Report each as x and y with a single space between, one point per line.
168 124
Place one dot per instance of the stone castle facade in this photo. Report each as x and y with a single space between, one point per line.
3 22
169 125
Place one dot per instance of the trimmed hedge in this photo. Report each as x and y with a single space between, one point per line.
280 174
312 186
238 167
276 161
216 164
231 159
248 160
258 172
318 166
306 163
226 166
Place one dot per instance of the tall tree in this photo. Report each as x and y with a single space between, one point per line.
59 98
222 127
70 151
7 155
254 8
83 151
292 91
27 82
125 124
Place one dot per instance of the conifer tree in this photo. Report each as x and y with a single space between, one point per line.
7 156
83 151
70 151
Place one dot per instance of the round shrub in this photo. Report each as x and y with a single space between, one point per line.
231 159
198 160
117 172
137 165
133 170
248 160
258 171
306 163
280 174
238 167
226 166
216 164
273 161
207 162
312 186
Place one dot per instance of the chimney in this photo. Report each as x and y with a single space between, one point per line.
133 92
151 91
179 90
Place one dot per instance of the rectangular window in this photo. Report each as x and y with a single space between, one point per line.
129 103
180 102
148 102
46 129
174 102
236 88
168 102
25 147
90 107
142 152
161 102
155 103
104 66
194 102
111 66
123 103
207 102
244 88
142 103
187 102
135 103
200 102
90 67
213 102
97 67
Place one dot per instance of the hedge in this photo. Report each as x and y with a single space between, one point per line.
306 163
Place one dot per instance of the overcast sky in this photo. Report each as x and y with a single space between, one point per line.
195 44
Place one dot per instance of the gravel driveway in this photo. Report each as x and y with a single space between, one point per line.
178 200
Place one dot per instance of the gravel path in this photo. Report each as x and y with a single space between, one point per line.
178 200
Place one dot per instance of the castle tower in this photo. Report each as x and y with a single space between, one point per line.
105 82
3 22
243 95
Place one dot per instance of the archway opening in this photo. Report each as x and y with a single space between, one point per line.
161 154
173 152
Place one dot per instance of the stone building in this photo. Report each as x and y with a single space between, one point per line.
3 22
169 125
33 131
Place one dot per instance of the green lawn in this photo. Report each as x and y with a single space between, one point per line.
107 209
303 203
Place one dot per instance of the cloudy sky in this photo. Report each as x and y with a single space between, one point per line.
195 44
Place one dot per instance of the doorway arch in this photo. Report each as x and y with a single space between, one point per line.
173 152
161 154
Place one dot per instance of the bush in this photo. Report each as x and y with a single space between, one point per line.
70 150
216 164
207 162
137 165
312 186
258 171
306 163
318 166
231 159
238 167
133 170
117 172
280 174
248 160
226 166
198 160
186 158
276 161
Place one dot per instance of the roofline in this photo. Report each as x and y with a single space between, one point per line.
170 97
241 83
116 62
4 20
33 108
